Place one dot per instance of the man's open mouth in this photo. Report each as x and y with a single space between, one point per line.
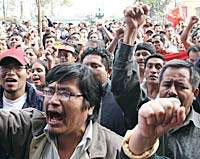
36 79
10 80
55 117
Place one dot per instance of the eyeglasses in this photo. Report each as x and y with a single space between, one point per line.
61 93
5 69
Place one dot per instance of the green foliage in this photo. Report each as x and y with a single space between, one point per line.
157 6
62 2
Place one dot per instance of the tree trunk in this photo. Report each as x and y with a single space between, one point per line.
38 2
4 10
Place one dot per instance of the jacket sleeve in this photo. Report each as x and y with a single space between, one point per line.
15 131
125 82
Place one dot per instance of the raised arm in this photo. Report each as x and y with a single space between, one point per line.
156 117
125 80
184 36
118 35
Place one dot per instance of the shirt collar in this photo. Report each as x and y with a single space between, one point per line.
193 116
86 139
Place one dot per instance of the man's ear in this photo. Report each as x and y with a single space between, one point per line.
196 92
90 111
28 71
109 71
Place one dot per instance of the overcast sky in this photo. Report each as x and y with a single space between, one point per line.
110 7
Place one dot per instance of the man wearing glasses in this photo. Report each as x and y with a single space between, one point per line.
15 92
68 129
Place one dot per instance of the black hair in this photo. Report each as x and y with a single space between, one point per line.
15 34
195 49
194 76
161 37
92 32
43 63
89 85
50 36
153 56
103 53
146 46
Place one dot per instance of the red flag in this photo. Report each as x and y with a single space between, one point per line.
175 17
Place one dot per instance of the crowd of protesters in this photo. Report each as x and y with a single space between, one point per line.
134 59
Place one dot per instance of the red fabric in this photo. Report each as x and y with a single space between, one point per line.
17 54
182 55
175 17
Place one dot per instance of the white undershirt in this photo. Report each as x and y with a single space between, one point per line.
14 104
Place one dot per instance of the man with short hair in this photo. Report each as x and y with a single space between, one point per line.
15 41
111 115
142 51
49 41
68 129
158 41
152 68
193 54
15 91
67 54
178 80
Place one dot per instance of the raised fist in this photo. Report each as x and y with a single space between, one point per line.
193 20
158 116
135 15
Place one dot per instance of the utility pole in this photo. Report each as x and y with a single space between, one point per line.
4 10
21 9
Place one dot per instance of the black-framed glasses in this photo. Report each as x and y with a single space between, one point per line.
62 94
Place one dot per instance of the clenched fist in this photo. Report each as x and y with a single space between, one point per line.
158 116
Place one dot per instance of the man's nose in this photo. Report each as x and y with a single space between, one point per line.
153 69
172 91
141 56
54 100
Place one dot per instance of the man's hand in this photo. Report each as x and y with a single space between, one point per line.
158 116
155 118
134 17
119 33
193 20
137 15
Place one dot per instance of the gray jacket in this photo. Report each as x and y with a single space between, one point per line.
21 133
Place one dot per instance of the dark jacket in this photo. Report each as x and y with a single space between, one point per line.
33 100
125 83
112 117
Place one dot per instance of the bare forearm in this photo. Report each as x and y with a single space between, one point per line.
112 46
108 33
130 36
185 34
138 144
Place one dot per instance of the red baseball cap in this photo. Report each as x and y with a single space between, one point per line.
17 54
